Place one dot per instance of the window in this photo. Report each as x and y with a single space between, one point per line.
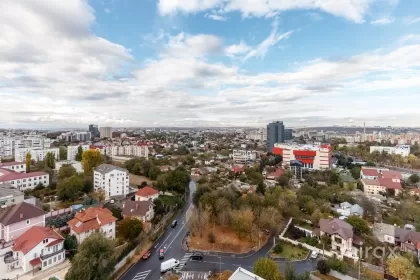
49 261
45 263
24 180
28 222
59 257
55 259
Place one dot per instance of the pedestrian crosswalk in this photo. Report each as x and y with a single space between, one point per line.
183 261
141 275
195 275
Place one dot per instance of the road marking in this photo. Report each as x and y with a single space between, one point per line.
183 261
176 235
165 240
141 275
187 275
156 245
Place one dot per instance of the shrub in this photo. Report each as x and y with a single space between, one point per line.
211 237
323 267
311 241
278 248
338 265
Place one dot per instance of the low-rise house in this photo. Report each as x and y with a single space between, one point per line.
406 238
39 248
342 237
237 169
164 168
347 181
17 219
24 181
146 193
276 174
243 274
91 220
369 173
381 185
10 196
142 210
16 166
346 209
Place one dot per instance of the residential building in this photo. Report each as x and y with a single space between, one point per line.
381 185
346 209
24 181
275 134
73 150
112 180
406 238
288 134
37 154
342 237
10 196
138 150
94 131
92 220
316 157
347 181
243 274
16 166
105 132
39 248
259 135
8 144
142 210
244 156
275 174
403 150
17 219
147 193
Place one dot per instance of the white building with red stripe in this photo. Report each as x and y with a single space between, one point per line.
311 156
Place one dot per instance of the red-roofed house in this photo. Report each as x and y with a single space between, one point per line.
391 184
38 248
276 174
146 193
381 185
369 173
23 181
391 175
237 169
91 220
16 166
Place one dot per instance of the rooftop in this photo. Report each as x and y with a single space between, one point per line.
106 168
243 274
9 175
7 189
19 212
336 226
389 183
91 219
11 163
307 147
146 191
33 236
370 172
135 208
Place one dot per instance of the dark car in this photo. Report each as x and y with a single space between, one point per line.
174 223
196 256
161 254
147 255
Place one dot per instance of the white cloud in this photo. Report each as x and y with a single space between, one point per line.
410 38
413 20
383 21
353 10
238 49
215 17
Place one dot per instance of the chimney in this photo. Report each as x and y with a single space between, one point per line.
137 206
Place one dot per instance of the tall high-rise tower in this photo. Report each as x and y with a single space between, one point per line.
275 134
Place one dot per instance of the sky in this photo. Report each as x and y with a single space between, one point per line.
148 63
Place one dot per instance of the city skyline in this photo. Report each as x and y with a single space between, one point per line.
215 64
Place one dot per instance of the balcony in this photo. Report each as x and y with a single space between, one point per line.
46 256
10 259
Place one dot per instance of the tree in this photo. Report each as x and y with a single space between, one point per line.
415 178
154 172
323 267
401 268
28 160
69 188
355 172
71 244
65 171
62 153
94 259
90 160
50 160
334 177
242 220
79 155
359 225
267 269
130 228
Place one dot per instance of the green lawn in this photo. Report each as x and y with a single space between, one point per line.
292 252
168 200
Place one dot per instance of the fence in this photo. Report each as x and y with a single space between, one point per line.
58 212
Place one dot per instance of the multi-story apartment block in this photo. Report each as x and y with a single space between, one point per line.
10 196
105 132
403 150
8 144
37 154
311 156
72 151
259 135
23 181
39 248
94 131
138 150
244 156
112 180
16 166
92 220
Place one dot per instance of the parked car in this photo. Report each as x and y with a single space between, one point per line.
147 255
314 255
161 254
174 223
197 256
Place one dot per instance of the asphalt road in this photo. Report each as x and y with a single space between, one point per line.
171 242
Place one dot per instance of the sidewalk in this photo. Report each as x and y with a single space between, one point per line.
58 271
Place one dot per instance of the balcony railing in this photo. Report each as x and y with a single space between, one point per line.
10 259
46 256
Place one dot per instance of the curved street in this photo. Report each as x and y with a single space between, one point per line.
171 242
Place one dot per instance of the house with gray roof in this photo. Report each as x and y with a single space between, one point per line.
406 238
10 195
243 274
346 209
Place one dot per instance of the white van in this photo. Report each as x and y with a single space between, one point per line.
168 265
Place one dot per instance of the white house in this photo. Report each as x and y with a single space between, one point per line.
146 193
346 209
24 181
39 248
112 180
72 151
16 166
92 220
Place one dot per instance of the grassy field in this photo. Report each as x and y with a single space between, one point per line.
292 252
136 180
167 200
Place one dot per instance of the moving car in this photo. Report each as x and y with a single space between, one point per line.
168 265
197 256
147 255
314 255
161 254
174 223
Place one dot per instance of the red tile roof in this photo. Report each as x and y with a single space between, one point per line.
370 172
33 236
389 184
237 169
11 163
276 174
91 219
35 262
58 241
370 182
146 191
9 175
391 174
